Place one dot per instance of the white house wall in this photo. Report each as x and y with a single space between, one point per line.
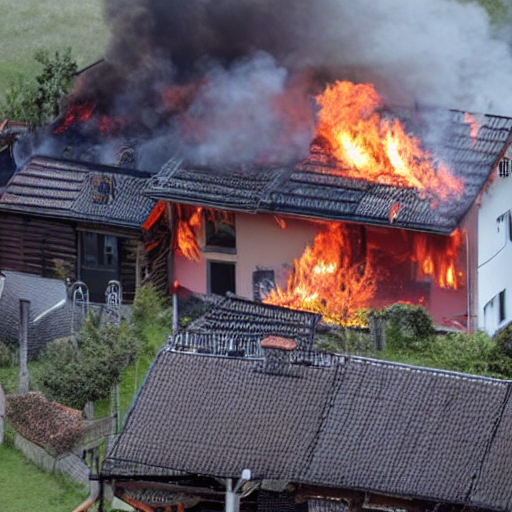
495 256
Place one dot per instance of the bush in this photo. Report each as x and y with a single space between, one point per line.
149 304
408 326
503 340
75 373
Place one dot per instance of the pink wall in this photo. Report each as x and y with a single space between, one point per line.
263 244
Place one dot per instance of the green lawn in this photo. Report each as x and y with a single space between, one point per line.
27 26
26 488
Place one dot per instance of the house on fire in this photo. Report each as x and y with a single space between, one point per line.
281 427
243 230
75 218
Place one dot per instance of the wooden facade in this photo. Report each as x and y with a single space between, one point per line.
31 245
78 221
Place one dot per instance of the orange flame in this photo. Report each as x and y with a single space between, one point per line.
325 280
376 149
188 223
437 257
473 126
76 113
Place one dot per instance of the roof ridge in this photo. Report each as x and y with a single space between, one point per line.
426 369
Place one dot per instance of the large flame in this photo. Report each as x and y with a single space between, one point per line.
325 280
371 147
437 256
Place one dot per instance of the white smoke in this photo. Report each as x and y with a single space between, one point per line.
440 52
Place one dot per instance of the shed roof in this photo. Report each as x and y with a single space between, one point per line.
239 325
78 191
50 311
316 188
348 422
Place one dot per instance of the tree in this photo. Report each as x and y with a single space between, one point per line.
75 373
37 101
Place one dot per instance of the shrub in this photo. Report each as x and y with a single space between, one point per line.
408 326
148 305
75 373
503 340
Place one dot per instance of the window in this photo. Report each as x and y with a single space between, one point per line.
99 251
501 312
221 277
220 231
504 168
495 312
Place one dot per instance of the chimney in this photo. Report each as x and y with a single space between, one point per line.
277 351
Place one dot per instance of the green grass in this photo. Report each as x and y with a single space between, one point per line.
26 488
27 26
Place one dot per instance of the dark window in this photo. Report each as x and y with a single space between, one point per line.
504 168
220 230
221 277
502 313
99 251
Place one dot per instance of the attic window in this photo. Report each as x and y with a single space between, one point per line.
504 168
103 187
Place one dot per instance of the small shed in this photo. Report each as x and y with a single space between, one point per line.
50 311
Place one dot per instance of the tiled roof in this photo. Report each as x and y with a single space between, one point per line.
69 190
312 188
238 324
353 423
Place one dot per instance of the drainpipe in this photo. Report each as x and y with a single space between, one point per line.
175 315
94 496
468 287
232 496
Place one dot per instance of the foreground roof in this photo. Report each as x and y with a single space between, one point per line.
336 421
78 191
315 188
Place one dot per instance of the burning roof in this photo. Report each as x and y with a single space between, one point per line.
318 187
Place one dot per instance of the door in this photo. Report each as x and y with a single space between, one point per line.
99 263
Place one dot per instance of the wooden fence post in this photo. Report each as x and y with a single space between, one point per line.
23 338
2 414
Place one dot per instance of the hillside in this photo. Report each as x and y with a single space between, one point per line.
27 26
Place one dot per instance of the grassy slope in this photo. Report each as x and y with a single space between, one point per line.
27 26
26 488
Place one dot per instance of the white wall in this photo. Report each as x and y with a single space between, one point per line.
495 255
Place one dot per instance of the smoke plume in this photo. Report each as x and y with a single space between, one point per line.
233 80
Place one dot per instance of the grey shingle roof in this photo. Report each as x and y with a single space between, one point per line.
64 189
354 423
313 189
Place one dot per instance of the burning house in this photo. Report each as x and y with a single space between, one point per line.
282 173
322 235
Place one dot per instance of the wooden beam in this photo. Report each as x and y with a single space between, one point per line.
360 500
